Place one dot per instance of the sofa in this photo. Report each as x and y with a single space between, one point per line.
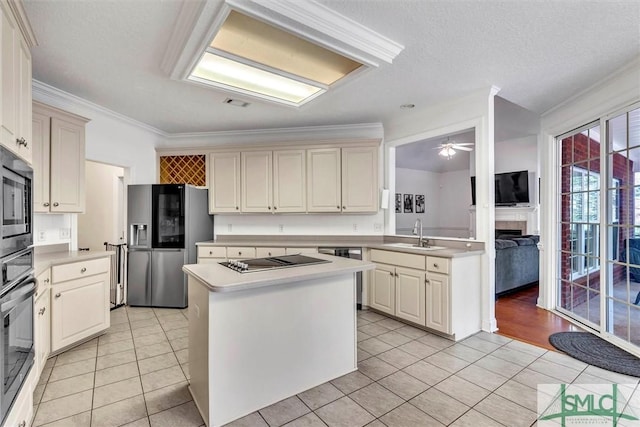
517 262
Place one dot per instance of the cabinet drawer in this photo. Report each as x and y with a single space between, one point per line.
212 252
307 250
43 282
238 252
64 272
398 258
265 252
438 265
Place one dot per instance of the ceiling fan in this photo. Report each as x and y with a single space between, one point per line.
448 148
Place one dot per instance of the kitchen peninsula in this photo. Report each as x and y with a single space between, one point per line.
258 337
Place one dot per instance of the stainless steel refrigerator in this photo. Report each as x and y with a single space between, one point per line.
164 223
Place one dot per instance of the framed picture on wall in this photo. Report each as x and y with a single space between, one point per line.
419 203
408 203
398 203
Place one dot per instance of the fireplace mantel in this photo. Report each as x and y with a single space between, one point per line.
528 214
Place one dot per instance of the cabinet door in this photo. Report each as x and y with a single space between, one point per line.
323 180
257 187
9 92
224 182
79 309
383 292
360 179
437 302
41 153
410 289
23 99
289 181
67 166
42 326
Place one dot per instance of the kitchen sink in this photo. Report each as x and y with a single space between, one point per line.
414 246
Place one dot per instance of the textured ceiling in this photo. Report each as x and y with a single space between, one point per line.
422 155
538 52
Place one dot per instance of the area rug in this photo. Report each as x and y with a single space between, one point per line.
595 351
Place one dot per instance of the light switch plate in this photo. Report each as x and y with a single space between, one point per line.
65 233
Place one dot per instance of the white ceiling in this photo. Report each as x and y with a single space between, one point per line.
538 52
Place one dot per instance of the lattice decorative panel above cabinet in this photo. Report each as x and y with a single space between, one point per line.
183 170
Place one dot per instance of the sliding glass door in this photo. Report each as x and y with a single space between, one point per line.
579 252
599 229
623 227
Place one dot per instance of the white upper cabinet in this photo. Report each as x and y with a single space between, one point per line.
59 156
342 179
289 181
360 179
257 187
323 180
224 182
15 98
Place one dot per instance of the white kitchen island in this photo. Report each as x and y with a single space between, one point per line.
259 337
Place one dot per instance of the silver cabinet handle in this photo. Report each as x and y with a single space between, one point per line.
344 208
275 207
269 207
397 275
269 253
56 204
337 207
21 141
435 265
58 295
46 280
391 273
42 310
239 253
22 424
426 281
45 204
210 252
237 208
83 270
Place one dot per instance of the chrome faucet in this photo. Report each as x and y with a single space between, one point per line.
417 224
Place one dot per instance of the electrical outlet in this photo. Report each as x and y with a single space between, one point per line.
377 227
355 227
42 235
229 228
65 233
281 228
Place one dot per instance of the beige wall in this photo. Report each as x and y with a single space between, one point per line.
102 220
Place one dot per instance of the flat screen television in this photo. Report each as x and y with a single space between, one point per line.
511 188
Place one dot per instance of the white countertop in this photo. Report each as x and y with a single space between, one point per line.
42 261
222 279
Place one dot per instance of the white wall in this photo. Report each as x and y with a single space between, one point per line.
454 202
51 229
517 155
99 223
411 181
299 224
110 137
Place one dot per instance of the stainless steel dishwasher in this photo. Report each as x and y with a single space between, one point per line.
355 253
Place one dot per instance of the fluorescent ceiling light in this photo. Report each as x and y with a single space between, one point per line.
226 73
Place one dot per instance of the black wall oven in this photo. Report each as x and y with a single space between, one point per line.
18 283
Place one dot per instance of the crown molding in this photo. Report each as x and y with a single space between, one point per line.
300 135
17 8
59 98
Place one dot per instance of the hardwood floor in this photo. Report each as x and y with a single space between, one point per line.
518 317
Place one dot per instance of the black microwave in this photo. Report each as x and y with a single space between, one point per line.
16 204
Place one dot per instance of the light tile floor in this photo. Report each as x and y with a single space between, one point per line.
136 375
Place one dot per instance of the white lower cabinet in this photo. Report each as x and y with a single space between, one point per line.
383 289
79 302
437 299
410 295
21 412
42 321
442 294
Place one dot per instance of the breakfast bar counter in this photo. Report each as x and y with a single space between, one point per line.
256 338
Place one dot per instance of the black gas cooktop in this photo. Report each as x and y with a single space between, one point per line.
270 263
